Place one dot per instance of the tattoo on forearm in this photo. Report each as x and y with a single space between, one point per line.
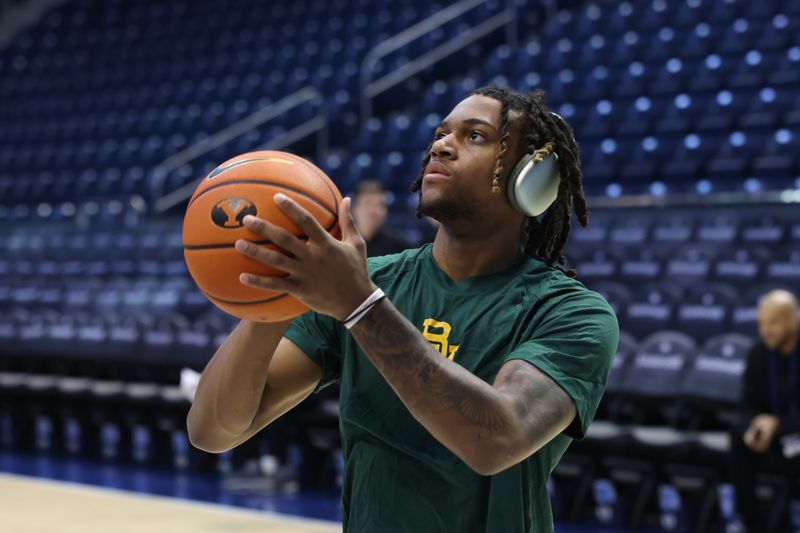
539 402
429 385
417 372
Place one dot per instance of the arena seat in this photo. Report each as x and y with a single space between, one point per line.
657 371
741 266
652 309
705 310
713 384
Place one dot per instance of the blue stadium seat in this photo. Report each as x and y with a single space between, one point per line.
715 375
670 77
705 310
742 266
786 71
651 309
764 108
658 368
626 351
698 40
690 264
732 159
632 80
679 113
617 294
718 227
763 229
639 115
676 227
689 160
739 36
784 266
595 232
643 159
600 265
642 265
632 229
398 134
779 160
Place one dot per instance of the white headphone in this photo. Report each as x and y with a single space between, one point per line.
533 187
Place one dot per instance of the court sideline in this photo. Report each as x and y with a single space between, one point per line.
32 505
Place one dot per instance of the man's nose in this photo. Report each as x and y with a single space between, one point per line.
441 148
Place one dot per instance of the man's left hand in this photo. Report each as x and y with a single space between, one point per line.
328 275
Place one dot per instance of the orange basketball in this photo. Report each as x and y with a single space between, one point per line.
246 185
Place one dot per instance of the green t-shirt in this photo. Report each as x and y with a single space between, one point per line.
399 478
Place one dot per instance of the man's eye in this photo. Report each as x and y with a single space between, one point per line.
438 135
476 135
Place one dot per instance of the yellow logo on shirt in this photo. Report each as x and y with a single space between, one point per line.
437 333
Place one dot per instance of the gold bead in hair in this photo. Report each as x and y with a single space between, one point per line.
544 151
498 171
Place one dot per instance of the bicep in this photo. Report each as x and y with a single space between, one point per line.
542 408
292 376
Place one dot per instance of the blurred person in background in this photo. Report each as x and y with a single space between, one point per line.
769 437
370 211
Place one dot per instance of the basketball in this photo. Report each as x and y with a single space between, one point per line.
246 185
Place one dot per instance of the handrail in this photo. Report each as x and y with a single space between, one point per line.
369 89
318 124
15 18
781 196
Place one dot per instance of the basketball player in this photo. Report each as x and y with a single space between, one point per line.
463 386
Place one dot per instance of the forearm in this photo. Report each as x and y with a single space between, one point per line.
463 412
233 383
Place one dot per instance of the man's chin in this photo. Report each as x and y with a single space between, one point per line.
443 209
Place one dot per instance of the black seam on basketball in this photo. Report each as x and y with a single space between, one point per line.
232 244
261 242
325 180
220 170
235 302
269 183
322 176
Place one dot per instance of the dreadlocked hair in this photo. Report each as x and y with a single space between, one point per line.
544 132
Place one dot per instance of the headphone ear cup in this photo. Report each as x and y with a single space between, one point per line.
533 187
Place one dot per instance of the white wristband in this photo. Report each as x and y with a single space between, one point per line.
362 309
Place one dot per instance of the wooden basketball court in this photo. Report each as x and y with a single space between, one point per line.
30 505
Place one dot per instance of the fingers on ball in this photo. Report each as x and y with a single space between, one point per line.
300 216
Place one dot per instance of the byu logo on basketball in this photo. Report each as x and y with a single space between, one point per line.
230 212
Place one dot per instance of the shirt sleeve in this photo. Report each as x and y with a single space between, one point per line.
575 346
319 337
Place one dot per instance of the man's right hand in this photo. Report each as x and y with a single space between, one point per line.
761 433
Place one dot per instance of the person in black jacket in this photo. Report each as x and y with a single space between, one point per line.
769 437
370 211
